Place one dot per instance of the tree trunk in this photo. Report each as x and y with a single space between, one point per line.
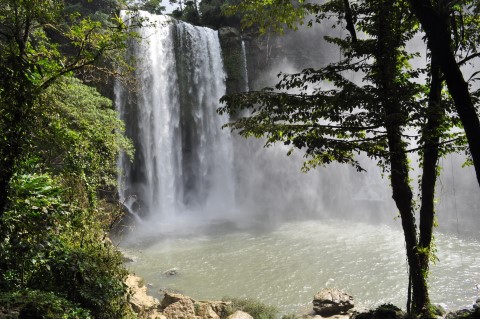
437 30
431 138
386 63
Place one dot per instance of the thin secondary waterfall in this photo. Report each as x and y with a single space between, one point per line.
183 160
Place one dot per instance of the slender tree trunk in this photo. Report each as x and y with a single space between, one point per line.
386 63
431 138
437 30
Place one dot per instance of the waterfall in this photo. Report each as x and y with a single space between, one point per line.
188 172
246 86
183 161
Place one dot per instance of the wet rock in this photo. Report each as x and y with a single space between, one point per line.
127 259
239 315
229 32
385 311
332 301
476 306
171 272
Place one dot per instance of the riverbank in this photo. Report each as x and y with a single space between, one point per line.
328 303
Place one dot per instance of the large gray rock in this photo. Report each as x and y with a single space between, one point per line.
332 301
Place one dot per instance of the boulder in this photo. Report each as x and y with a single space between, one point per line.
477 304
182 309
171 272
205 311
332 301
220 307
171 298
239 315
142 304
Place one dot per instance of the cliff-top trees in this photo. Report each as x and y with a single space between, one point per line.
386 115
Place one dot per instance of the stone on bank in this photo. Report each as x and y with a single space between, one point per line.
332 301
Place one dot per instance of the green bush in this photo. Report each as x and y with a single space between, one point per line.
32 304
49 245
256 309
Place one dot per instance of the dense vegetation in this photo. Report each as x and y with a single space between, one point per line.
391 110
58 149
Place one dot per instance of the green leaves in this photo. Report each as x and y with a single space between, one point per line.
332 117
82 135
271 15
49 244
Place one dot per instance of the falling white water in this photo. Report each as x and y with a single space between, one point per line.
245 69
188 173
183 161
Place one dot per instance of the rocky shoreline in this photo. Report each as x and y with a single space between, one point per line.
328 303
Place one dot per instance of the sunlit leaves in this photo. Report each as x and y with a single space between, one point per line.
82 134
326 113
271 15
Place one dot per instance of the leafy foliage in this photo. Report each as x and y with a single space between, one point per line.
34 304
330 115
213 13
40 42
82 136
254 308
272 15
50 245
58 149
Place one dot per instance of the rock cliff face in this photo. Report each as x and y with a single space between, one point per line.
233 52
269 54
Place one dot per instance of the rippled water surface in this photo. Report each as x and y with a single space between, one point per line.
286 266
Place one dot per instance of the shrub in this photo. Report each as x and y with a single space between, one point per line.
48 245
33 304
256 309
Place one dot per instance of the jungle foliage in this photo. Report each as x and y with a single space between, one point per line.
59 142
